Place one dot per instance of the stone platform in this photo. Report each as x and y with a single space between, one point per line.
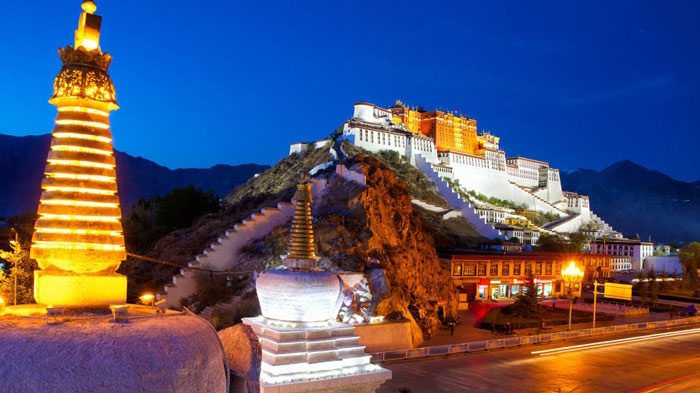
313 357
86 352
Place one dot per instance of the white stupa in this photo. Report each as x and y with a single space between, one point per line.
304 348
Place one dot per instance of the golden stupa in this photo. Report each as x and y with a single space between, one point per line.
301 239
78 240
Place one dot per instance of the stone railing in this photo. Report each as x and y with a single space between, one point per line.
517 341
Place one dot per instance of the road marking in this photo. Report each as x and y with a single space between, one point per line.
655 387
600 344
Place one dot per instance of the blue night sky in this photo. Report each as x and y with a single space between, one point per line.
578 85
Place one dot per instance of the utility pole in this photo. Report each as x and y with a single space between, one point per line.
595 298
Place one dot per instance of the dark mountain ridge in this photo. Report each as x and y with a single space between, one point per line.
636 200
22 162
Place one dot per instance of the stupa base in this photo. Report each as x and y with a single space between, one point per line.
65 289
318 357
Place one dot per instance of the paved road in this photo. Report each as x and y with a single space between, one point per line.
663 365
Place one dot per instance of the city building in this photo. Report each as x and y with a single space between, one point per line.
637 250
663 249
490 215
661 264
448 145
485 276
620 263
527 236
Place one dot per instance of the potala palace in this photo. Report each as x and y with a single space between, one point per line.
448 148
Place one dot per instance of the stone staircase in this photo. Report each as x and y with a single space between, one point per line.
456 202
221 254
549 205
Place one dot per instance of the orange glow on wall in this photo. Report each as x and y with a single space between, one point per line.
451 132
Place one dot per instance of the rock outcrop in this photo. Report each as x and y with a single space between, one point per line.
374 226
244 356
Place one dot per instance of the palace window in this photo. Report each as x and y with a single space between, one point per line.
516 268
505 269
469 269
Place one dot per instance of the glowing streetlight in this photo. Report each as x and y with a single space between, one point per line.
147 299
571 274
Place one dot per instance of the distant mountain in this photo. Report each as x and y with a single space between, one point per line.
634 199
22 162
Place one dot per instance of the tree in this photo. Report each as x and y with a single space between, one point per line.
579 241
653 287
337 133
663 284
527 302
156 217
183 205
690 258
21 273
642 286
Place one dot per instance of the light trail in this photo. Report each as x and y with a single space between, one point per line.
600 344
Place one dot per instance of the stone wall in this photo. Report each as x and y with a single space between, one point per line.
386 336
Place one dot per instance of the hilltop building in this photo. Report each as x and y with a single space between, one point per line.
447 145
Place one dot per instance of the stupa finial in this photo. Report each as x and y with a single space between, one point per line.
88 33
89 6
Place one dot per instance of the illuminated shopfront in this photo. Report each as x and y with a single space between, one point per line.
503 277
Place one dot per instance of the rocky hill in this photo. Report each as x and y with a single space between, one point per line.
636 200
358 228
22 162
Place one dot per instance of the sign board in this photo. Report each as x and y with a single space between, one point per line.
618 291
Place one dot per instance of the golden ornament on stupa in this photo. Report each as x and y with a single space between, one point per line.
301 239
78 240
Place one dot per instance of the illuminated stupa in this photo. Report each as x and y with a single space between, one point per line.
78 240
304 348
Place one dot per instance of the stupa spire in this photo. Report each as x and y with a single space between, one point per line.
78 240
301 248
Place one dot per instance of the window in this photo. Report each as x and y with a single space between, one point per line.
457 269
538 269
494 269
469 269
516 268
528 268
482 269
548 269
505 269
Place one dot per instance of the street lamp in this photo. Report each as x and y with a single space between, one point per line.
571 274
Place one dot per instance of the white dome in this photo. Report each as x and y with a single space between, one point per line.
299 296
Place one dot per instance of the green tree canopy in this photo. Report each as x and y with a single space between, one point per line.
153 218
690 258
